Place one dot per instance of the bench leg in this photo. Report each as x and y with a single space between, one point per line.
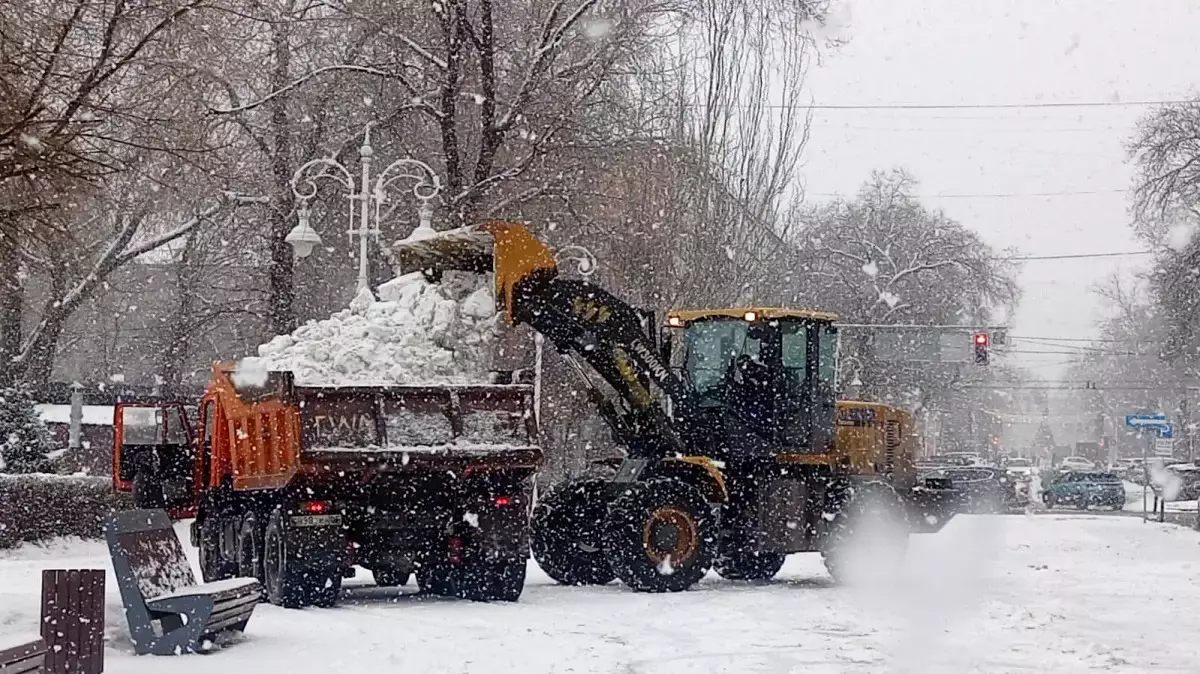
181 632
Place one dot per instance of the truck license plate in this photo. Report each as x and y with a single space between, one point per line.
317 520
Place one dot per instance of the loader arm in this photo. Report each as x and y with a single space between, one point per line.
582 320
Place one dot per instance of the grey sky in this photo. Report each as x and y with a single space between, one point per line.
1014 51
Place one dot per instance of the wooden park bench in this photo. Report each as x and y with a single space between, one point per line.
21 655
167 611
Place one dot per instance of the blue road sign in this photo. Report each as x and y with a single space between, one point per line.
1146 420
1167 431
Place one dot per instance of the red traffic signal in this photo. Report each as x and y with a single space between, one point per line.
981 348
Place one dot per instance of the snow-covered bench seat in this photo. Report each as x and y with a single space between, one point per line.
22 654
157 586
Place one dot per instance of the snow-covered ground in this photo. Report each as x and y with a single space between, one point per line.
1060 592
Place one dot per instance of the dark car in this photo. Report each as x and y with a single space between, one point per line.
981 489
1084 490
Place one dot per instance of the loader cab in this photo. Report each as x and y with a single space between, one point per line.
768 371
154 457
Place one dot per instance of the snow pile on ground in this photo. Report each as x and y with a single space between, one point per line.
416 333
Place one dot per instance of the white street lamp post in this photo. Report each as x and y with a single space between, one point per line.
303 238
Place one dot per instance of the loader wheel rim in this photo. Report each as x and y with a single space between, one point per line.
670 532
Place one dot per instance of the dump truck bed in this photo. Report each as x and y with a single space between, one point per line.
280 431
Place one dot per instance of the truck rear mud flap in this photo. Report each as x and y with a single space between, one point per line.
931 507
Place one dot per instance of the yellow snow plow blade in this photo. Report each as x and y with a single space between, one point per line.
508 249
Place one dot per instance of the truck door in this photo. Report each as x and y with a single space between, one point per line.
153 456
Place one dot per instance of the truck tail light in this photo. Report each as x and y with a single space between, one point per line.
454 552
314 507
502 501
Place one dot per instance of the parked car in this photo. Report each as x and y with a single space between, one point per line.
982 489
1019 469
1076 463
1125 468
1084 489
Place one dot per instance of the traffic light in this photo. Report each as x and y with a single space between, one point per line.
981 348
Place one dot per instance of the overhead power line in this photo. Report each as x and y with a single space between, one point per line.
1080 256
994 195
971 106
1069 339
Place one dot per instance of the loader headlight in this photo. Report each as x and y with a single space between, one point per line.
751 316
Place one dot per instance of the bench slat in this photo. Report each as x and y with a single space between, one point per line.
236 604
228 620
23 658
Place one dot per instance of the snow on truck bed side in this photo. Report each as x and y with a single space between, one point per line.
416 333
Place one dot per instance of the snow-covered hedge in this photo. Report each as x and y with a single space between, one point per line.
39 507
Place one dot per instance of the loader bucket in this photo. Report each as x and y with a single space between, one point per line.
507 249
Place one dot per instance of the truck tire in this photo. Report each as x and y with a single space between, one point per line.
386 576
566 528
736 562
491 580
436 578
868 536
213 566
250 548
288 583
660 536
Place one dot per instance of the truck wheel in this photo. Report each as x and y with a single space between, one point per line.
738 563
386 576
660 536
288 583
493 579
566 539
868 536
213 566
250 548
436 578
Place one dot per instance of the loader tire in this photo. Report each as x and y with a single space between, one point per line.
660 536
867 538
567 533
736 563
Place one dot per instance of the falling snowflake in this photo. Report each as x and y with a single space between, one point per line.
871 269
666 568
889 298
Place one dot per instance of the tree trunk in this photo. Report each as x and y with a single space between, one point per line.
280 315
12 295
176 349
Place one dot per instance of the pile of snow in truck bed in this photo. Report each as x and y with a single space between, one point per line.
416 333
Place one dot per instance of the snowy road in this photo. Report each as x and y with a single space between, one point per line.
1052 593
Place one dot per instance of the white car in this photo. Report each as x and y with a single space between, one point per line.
1076 463
1019 469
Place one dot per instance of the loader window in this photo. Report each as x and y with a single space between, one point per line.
827 353
795 356
711 346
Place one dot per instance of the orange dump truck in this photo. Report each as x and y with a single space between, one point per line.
296 485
